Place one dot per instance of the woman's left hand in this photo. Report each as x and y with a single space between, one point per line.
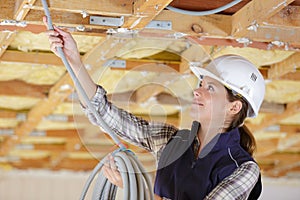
111 172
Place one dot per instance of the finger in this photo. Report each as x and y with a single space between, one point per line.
53 47
55 39
50 31
107 173
112 163
45 21
62 32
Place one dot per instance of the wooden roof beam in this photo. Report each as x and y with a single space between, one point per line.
270 107
21 88
58 93
291 109
145 92
290 128
292 76
266 147
147 65
90 7
145 11
254 13
6 38
283 163
41 58
23 7
43 108
291 64
210 25
21 11
287 17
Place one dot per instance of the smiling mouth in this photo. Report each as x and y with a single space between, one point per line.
196 103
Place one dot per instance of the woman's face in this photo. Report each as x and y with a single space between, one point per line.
210 103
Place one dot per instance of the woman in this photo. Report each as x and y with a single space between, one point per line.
212 160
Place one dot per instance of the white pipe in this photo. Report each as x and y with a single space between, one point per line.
207 12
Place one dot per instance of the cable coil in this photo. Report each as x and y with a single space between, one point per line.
137 184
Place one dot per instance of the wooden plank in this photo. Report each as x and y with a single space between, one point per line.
6 37
287 37
8 114
210 41
293 76
31 163
144 11
31 57
284 67
56 96
254 13
71 21
91 7
287 17
21 88
66 133
290 141
266 147
168 99
7 8
21 11
270 107
23 7
40 28
147 91
211 25
291 109
76 164
148 65
290 128
284 163
195 53
43 108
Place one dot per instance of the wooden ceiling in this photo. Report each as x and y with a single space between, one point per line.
41 123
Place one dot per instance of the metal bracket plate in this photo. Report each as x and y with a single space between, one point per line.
157 24
116 63
107 21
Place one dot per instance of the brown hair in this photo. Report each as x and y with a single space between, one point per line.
247 140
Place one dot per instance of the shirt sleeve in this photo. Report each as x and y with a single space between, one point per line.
238 185
148 135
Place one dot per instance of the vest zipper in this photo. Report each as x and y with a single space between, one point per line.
193 164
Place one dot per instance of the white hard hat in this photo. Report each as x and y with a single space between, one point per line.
239 75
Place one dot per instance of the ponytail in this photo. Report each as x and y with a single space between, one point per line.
247 140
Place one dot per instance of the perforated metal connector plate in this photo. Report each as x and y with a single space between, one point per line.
107 21
157 24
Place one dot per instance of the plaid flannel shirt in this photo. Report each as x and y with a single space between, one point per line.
153 136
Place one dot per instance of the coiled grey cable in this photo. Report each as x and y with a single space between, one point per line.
135 181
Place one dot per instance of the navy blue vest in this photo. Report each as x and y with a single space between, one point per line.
181 176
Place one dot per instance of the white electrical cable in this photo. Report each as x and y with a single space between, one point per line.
206 12
135 181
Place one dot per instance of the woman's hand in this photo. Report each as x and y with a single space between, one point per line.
111 172
63 39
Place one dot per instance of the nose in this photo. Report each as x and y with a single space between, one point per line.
197 92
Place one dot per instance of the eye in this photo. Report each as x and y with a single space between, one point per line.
210 88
